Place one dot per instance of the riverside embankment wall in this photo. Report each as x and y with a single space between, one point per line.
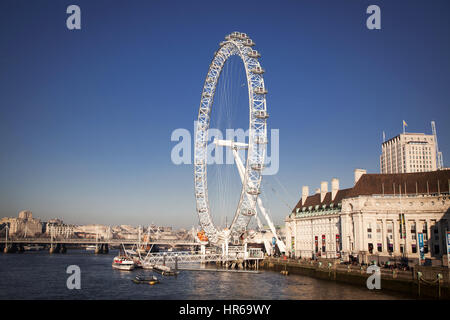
397 281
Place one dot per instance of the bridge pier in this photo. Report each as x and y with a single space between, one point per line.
54 248
203 252
101 248
10 248
63 249
176 263
98 249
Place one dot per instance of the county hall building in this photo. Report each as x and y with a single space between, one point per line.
378 218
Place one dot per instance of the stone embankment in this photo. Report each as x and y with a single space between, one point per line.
420 281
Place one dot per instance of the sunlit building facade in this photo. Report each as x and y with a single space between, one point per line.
408 152
378 218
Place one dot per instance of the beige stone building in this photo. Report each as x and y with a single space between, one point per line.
58 229
24 224
378 218
94 231
408 152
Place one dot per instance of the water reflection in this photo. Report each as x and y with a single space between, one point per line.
38 275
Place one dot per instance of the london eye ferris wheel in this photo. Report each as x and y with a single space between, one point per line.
250 169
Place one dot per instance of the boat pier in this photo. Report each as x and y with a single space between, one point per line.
235 258
219 270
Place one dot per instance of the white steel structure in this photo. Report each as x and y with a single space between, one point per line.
238 44
439 159
196 257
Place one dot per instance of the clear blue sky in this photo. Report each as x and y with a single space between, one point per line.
86 116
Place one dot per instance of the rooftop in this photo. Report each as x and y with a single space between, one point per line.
433 182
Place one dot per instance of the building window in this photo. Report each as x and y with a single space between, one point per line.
323 244
370 248
425 231
436 232
379 247
413 231
436 249
414 248
391 247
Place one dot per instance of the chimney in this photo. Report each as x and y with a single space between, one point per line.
359 173
323 190
317 190
305 194
334 187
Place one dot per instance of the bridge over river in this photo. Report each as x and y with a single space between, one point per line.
101 245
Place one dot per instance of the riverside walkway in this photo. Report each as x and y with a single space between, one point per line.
421 281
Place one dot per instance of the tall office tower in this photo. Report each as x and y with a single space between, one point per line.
408 152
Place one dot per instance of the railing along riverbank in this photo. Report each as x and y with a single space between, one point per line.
420 281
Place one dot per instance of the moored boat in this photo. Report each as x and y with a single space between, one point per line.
151 280
123 263
33 247
165 270
147 265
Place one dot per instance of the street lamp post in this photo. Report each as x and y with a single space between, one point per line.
6 234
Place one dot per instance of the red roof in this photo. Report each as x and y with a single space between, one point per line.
433 182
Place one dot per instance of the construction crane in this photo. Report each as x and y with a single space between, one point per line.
439 159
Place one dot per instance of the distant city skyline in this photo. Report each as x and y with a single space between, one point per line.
86 115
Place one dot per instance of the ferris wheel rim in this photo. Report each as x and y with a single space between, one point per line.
236 44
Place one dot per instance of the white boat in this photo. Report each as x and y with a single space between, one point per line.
91 248
33 247
165 270
147 265
162 268
123 263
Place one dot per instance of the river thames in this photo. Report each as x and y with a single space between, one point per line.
39 275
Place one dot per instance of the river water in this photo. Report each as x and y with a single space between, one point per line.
39 275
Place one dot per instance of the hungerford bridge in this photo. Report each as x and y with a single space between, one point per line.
100 244
78 241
